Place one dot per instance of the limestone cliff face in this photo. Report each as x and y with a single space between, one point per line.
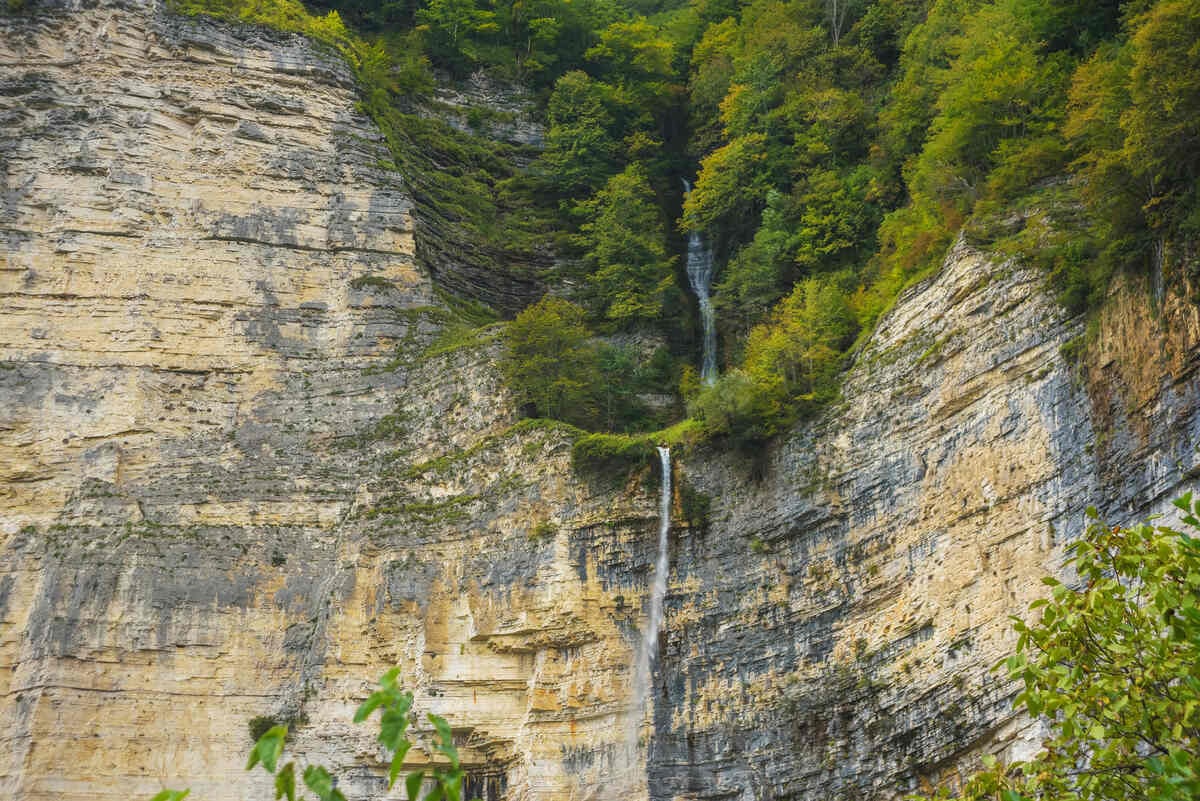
234 483
848 655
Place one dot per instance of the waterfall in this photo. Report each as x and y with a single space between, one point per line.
654 612
700 275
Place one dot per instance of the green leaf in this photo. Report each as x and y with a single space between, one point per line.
394 723
285 782
321 783
445 739
171 795
373 702
388 680
268 749
412 784
398 762
452 786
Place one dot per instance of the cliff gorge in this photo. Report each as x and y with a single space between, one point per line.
236 481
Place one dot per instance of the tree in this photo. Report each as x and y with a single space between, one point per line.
757 274
580 147
549 362
730 189
803 341
739 409
1113 665
1163 124
451 25
625 248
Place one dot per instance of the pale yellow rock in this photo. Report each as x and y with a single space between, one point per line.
231 485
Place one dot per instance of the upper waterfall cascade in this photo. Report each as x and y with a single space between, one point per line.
700 276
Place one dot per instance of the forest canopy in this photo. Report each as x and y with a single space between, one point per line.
836 148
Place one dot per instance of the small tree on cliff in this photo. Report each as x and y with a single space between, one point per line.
625 242
550 362
1114 665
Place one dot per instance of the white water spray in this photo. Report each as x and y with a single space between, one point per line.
700 276
654 614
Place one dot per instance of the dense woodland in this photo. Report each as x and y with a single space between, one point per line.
837 147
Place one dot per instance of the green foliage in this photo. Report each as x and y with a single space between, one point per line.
624 243
557 370
619 453
730 187
739 410
452 27
848 143
394 706
366 282
268 748
612 453
581 144
171 795
550 362
543 530
803 342
791 365
284 15
695 506
1113 665
1163 122
1135 107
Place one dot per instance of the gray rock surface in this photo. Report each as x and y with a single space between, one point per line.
234 483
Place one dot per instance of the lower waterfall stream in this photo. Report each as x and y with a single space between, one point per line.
648 653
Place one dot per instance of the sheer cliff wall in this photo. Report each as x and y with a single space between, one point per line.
234 484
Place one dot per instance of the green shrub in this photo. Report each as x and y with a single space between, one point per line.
616 453
739 410
543 530
695 506
1112 666
550 363
394 706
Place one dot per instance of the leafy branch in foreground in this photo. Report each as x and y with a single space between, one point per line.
395 706
1115 668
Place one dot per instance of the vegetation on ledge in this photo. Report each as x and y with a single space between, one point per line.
834 156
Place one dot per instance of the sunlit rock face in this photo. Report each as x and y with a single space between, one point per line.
831 633
235 483
212 404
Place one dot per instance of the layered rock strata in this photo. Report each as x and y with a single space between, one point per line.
215 418
831 633
244 474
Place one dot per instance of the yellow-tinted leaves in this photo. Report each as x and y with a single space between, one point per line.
285 782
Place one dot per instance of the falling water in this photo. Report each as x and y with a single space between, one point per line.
654 614
700 275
